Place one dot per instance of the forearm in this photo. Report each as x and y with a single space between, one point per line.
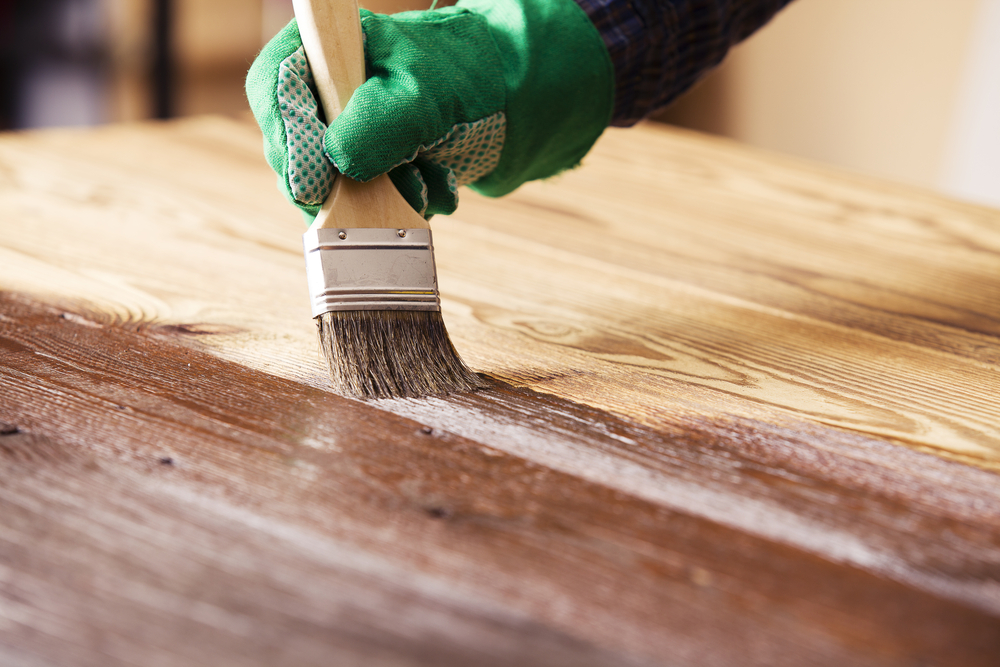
660 48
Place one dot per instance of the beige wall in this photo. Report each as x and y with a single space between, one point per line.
865 84
214 43
128 22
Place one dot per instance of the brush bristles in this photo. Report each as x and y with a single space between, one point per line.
392 354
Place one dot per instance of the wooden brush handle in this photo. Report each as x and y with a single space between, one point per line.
331 36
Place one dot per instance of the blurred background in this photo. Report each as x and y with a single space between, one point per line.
907 90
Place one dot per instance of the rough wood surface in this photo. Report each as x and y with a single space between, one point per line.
745 412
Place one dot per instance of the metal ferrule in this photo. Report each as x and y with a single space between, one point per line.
370 269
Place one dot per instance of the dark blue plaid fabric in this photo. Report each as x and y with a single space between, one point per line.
660 48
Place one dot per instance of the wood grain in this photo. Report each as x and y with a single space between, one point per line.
764 282
744 412
157 498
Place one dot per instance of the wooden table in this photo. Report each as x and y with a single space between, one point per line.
745 411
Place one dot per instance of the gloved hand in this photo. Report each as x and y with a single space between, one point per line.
488 92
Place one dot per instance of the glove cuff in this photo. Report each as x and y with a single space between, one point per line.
560 87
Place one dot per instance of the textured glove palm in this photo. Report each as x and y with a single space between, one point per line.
490 92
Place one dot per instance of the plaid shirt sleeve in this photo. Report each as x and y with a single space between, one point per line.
660 48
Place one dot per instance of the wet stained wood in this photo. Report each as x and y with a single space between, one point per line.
743 412
154 494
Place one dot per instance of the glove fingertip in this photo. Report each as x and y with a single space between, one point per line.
349 144
442 187
411 185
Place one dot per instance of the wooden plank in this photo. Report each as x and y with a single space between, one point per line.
157 499
744 412
672 277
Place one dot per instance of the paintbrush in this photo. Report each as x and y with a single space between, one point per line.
369 255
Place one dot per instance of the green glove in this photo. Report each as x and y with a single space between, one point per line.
491 93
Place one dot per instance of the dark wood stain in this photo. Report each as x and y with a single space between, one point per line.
159 504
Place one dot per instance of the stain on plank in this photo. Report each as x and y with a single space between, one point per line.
507 526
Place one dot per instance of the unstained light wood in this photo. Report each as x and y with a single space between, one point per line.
744 410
